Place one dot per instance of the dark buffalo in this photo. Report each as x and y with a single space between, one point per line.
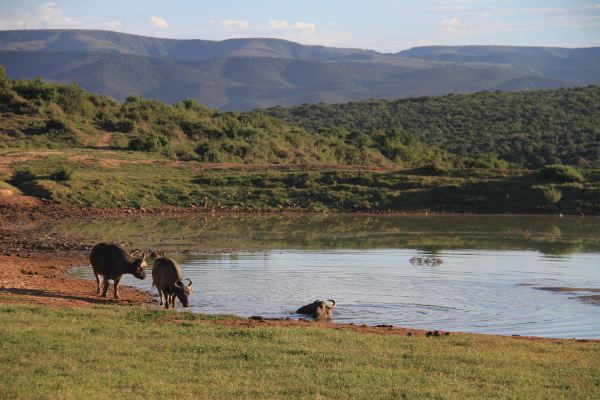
110 261
319 309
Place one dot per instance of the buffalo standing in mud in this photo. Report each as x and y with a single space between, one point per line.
168 279
110 261
318 309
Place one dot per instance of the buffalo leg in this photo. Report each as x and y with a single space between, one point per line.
173 301
116 294
105 284
97 283
166 300
161 296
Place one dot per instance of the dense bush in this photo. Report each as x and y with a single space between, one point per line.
58 124
561 173
484 130
530 129
149 141
63 173
121 125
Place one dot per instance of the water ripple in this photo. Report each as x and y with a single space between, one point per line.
472 291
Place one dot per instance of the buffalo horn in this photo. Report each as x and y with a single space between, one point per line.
133 252
332 305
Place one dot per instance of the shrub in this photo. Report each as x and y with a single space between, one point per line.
63 173
55 136
11 101
435 168
149 141
58 124
551 194
124 125
561 173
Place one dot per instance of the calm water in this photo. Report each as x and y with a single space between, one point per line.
492 266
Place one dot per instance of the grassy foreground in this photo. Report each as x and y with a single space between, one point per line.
113 352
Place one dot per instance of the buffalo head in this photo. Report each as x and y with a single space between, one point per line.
183 292
319 309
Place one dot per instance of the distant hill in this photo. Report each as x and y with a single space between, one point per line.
242 74
581 65
192 49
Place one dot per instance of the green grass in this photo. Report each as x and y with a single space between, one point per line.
132 179
114 353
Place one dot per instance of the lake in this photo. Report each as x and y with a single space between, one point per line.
491 280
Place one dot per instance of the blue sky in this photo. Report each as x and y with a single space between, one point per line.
384 25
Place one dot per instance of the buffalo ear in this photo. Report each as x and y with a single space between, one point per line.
179 283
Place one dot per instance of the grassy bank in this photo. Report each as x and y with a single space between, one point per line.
101 178
114 352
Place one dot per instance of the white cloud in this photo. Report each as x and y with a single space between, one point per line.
231 23
158 22
305 25
451 22
47 15
276 24
283 24
456 9
112 24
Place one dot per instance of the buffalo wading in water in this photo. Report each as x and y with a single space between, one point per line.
110 261
319 309
168 279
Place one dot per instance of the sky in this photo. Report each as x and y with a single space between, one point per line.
383 25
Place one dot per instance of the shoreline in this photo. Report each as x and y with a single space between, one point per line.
22 208
34 270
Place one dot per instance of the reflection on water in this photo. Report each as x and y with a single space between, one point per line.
486 283
429 233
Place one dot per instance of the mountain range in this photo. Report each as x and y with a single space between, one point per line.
242 74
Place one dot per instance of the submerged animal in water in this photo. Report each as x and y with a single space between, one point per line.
168 279
319 309
111 262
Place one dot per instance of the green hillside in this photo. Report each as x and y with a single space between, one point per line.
64 144
527 129
40 114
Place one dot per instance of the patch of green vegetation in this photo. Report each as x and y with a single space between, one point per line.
134 182
551 194
66 116
531 129
63 173
147 135
58 350
561 173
